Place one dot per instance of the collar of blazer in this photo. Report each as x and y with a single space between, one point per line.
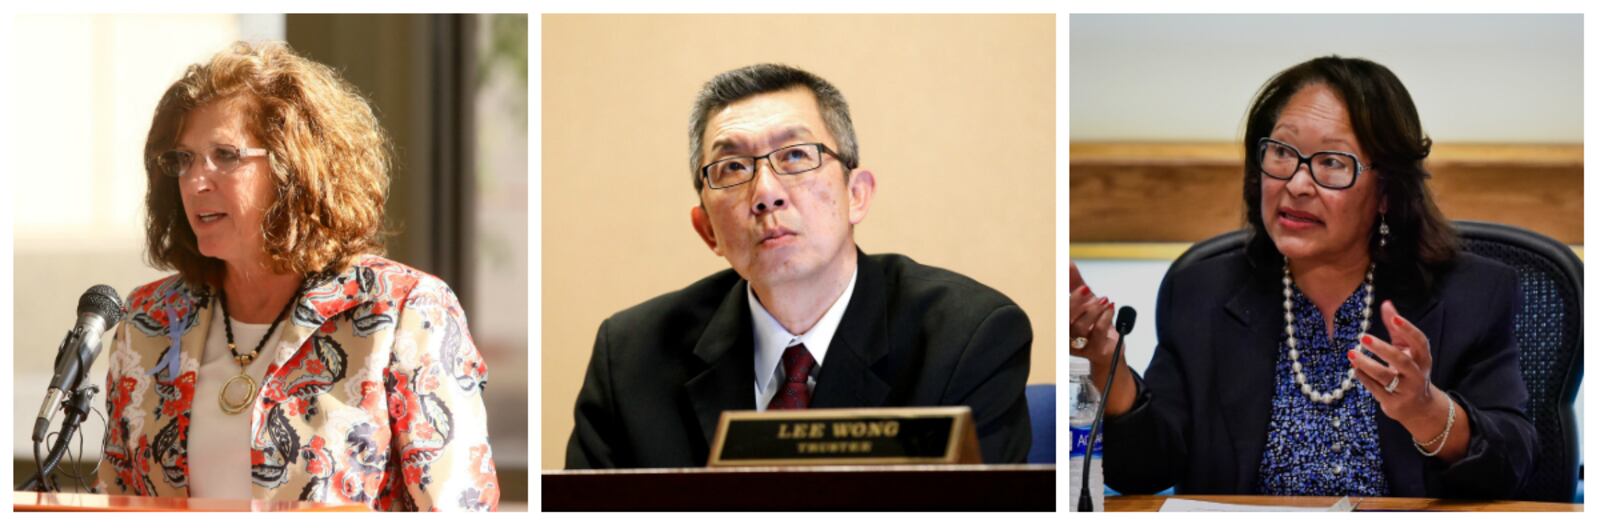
371 290
366 287
727 349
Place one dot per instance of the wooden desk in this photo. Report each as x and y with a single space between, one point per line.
1150 503
878 488
28 501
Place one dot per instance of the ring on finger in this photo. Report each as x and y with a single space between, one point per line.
1393 383
1079 343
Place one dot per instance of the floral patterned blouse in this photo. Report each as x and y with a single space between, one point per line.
1316 449
374 395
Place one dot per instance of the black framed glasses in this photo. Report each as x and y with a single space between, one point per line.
1330 169
790 160
224 158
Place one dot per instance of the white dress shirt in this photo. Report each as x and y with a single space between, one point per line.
772 339
219 444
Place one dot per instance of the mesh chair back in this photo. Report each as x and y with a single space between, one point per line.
1549 331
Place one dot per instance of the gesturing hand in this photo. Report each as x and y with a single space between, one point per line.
1403 388
1090 330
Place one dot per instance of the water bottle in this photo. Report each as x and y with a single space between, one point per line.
1084 399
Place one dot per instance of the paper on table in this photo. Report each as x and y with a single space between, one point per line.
1187 505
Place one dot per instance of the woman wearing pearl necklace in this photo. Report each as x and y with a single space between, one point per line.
1350 349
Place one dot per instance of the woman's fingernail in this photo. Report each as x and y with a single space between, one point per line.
1104 301
1366 339
1399 321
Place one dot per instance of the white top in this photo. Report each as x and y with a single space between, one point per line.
219 444
772 339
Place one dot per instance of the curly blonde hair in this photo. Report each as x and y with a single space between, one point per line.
329 156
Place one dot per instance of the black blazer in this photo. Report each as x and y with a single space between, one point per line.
1200 420
663 371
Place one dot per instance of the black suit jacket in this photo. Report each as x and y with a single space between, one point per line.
663 371
1200 420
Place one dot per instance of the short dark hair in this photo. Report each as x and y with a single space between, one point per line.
733 85
1421 241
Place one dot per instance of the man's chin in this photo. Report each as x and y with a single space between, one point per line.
773 267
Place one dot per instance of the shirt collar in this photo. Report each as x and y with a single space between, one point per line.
772 338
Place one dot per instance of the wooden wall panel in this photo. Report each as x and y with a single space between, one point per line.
1186 192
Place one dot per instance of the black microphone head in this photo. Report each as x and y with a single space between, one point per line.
103 301
1125 317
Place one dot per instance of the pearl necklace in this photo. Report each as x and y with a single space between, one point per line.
1325 398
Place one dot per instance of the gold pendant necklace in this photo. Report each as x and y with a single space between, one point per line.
232 406
239 405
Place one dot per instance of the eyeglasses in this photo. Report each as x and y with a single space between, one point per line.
1330 169
223 158
793 159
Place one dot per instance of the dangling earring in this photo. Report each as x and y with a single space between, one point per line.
1383 230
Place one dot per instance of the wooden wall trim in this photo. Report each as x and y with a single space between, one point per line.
1186 192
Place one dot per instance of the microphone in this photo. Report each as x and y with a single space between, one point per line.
1125 319
98 310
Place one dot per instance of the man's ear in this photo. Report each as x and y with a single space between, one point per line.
702 226
861 185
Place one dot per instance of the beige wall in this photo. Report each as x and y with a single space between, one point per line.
955 116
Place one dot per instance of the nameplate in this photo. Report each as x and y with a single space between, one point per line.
900 435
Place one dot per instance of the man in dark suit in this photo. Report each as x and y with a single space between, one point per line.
803 319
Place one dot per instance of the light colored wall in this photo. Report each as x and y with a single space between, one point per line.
1475 78
90 85
955 116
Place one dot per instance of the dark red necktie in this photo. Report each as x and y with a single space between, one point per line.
797 365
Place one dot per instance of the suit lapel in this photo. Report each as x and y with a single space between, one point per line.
1246 342
727 349
847 378
1404 468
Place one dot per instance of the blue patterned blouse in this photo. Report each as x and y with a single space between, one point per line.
1316 449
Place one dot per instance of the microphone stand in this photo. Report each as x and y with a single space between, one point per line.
77 410
1085 502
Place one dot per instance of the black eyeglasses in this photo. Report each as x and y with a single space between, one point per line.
1330 169
793 159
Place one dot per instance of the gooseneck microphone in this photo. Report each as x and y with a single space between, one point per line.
1125 319
98 309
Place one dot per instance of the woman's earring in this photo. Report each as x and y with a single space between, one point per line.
1383 230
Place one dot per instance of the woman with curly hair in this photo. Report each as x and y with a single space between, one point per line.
286 359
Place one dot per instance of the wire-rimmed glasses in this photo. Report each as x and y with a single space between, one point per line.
222 158
793 159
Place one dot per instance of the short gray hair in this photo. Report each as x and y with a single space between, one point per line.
734 85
